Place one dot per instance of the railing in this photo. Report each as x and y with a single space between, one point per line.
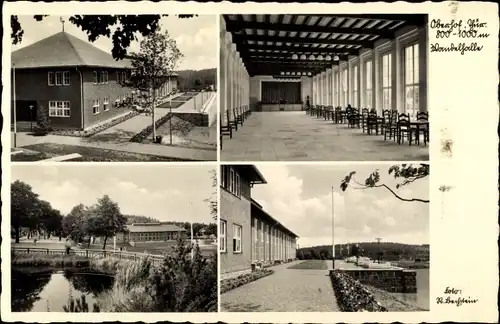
91 254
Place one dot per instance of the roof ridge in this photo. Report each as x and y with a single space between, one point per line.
73 47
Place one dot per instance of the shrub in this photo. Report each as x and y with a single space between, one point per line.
179 284
42 121
139 137
352 296
232 283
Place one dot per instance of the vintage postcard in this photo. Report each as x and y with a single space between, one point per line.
314 162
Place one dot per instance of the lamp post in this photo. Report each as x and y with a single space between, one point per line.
31 118
14 103
170 119
333 230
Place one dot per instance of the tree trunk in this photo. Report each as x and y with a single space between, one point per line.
17 230
153 116
105 240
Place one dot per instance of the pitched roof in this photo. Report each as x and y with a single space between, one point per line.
63 49
153 227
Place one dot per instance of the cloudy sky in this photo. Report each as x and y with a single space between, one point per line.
161 192
300 197
196 37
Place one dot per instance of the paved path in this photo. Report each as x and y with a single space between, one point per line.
295 136
287 290
152 149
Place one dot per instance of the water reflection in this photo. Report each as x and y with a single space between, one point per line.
57 291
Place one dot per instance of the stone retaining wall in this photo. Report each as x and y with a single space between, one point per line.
391 280
197 119
352 296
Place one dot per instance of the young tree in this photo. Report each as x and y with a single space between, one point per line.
95 26
212 201
24 207
106 219
405 174
151 66
75 224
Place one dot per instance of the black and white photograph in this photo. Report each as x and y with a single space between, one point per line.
324 238
113 238
346 87
114 88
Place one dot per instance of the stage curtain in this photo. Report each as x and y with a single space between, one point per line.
281 92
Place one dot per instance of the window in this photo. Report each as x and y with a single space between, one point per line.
66 78
411 80
124 77
95 77
59 109
222 235
223 171
58 78
237 231
105 77
386 82
118 77
95 107
344 88
105 104
231 180
51 79
337 94
368 85
355 86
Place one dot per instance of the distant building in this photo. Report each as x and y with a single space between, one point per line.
248 236
79 84
150 232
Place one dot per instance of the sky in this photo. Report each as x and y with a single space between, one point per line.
300 197
196 37
167 193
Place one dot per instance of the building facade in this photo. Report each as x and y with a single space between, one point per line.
248 236
150 233
78 84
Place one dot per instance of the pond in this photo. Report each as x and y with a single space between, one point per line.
51 291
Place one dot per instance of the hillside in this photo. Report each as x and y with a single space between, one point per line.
389 251
196 79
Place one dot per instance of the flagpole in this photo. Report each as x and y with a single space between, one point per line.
333 231
15 109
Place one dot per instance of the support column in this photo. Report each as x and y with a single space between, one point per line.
234 79
229 77
397 101
222 72
329 87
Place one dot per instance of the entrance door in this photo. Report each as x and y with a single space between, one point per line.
25 111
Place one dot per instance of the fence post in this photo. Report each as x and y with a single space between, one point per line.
87 254
28 250
47 251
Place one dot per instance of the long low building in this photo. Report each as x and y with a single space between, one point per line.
150 232
249 237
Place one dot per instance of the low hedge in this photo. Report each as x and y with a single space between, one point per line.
139 137
352 296
96 129
232 283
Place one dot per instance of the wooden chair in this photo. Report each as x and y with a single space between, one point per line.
364 119
404 128
231 122
329 113
353 117
390 124
372 122
225 130
422 128
237 117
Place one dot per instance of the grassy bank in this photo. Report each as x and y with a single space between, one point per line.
392 303
44 260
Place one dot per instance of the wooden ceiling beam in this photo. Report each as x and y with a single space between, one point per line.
242 39
234 26
300 49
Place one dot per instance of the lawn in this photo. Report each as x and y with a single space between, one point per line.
310 265
48 150
175 104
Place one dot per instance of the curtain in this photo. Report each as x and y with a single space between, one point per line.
281 92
